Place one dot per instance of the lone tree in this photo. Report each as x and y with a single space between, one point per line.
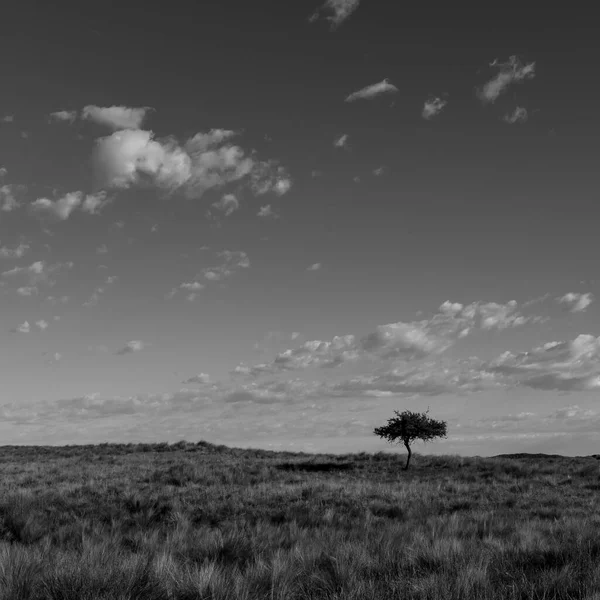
409 426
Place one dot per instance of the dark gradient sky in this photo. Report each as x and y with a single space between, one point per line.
467 208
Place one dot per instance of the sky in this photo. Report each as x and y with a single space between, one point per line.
274 224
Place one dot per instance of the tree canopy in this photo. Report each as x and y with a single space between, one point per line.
407 426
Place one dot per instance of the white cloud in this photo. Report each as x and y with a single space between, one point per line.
133 157
94 203
341 142
230 263
42 324
565 366
102 249
8 200
64 115
132 346
193 286
61 208
378 171
228 204
314 267
116 117
27 291
265 212
99 291
519 115
23 328
372 90
405 341
3 172
8 119
268 176
341 10
38 272
510 72
432 107
17 252
576 302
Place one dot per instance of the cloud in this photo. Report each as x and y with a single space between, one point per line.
519 115
134 158
265 212
405 341
202 378
27 291
23 328
341 142
17 252
94 203
3 172
429 379
227 204
42 324
193 286
510 72
341 10
576 302
7 119
314 267
378 171
267 177
432 107
61 208
102 249
231 262
38 272
116 117
64 115
132 346
563 366
372 90
98 291
8 200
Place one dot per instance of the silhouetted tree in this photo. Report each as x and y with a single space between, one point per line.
409 426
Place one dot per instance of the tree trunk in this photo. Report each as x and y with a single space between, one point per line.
409 454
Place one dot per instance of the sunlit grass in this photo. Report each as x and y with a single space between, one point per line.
200 521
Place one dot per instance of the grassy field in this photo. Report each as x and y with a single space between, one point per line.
188 521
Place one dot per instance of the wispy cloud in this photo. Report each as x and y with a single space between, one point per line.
371 91
266 212
231 261
341 142
116 117
201 378
8 199
22 328
509 72
227 204
314 267
576 302
432 107
62 208
405 341
519 115
27 291
17 252
129 347
563 366
341 10
99 291
41 324
68 116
